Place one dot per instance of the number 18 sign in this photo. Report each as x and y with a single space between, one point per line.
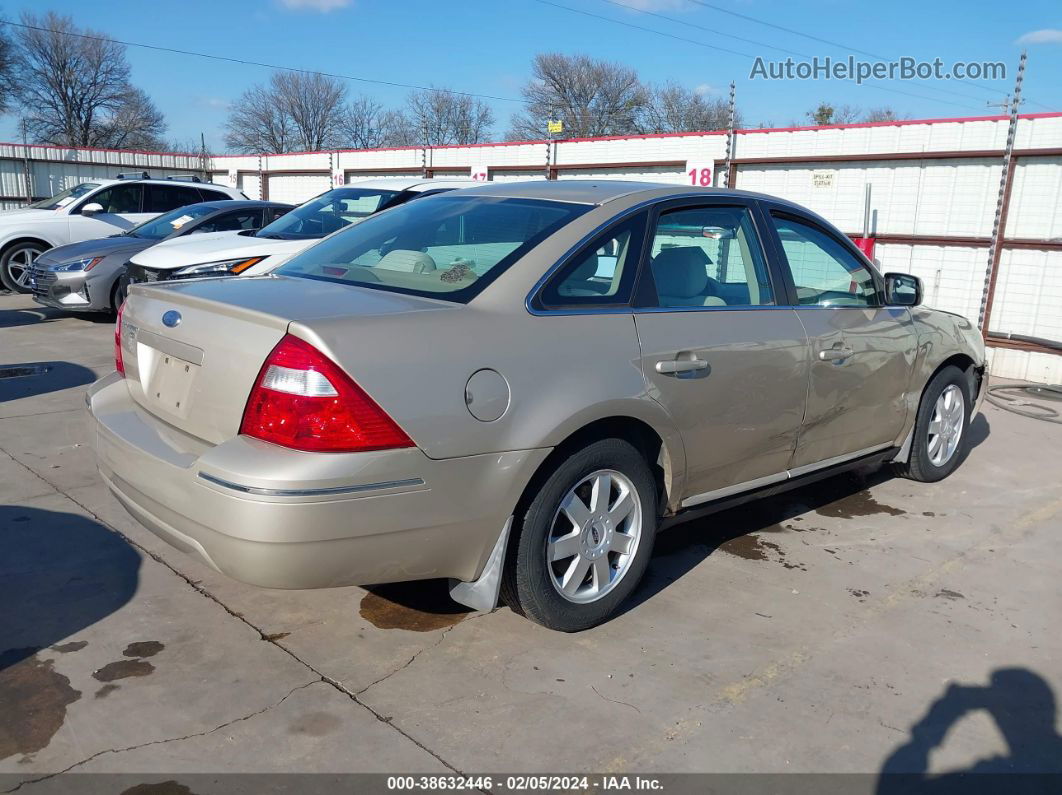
699 172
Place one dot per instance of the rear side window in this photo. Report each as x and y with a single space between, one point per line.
824 271
603 273
211 195
449 247
163 198
709 257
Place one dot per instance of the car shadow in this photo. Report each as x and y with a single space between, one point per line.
978 431
59 574
684 546
1024 709
34 316
29 379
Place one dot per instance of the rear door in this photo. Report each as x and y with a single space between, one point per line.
862 352
718 351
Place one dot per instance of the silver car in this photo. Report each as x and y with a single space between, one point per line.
89 276
516 386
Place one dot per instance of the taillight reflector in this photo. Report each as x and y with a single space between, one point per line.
303 400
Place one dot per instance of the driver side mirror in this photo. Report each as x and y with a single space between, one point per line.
92 208
902 289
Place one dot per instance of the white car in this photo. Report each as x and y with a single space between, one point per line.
255 253
91 210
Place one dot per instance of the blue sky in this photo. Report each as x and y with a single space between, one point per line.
486 47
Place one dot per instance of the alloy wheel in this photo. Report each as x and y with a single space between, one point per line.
594 536
946 425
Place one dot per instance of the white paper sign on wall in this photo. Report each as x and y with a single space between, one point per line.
700 172
339 178
479 173
822 179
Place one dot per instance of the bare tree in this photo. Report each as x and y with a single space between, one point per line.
257 124
672 108
73 87
314 103
294 112
8 66
590 97
825 113
884 114
135 123
437 117
365 124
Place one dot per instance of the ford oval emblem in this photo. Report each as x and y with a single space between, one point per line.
171 319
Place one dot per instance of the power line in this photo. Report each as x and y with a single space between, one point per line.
687 23
715 48
244 62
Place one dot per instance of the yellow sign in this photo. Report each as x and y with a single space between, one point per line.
555 126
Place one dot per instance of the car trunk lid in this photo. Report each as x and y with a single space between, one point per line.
192 350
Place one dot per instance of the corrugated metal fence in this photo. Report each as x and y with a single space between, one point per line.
933 184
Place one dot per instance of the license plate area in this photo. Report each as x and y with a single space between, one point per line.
166 379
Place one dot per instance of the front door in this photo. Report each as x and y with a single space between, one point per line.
720 354
122 210
862 352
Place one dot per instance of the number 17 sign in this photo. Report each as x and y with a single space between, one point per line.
699 172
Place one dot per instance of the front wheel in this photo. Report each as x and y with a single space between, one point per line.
15 266
940 440
585 538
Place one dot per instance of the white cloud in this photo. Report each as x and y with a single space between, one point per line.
1045 36
705 88
215 103
322 6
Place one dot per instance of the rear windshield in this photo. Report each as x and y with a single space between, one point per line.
327 213
168 223
446 246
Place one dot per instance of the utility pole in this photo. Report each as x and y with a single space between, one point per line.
204 165
730 137
27 172
999 224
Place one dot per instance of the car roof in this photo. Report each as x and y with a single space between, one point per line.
410 183
602 191
187 182
235 204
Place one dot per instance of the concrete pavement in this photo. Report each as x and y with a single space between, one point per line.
809 632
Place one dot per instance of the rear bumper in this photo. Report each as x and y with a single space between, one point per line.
269 516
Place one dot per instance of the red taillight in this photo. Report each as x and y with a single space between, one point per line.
119 365
303 400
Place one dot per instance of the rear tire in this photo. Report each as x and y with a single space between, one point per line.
577 554
14 266
940 440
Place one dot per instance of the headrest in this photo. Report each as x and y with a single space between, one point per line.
681 271
585 270
405 260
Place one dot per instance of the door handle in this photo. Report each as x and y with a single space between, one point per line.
835 354
673 366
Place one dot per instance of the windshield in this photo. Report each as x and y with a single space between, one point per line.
168 223
327 213
64 198
446 246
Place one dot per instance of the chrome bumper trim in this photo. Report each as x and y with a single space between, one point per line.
389 484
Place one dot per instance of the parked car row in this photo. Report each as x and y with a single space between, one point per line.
513 386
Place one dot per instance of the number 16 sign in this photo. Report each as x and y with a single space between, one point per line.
699 172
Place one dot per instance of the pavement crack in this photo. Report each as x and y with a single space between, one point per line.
615 701
166 740
265 636
407 663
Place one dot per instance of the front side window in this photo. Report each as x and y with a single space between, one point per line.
327 213
64 198
168 223
446 247
601 274
824 271
232 222
709 257
118 198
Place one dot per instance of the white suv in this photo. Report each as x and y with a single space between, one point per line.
92 210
